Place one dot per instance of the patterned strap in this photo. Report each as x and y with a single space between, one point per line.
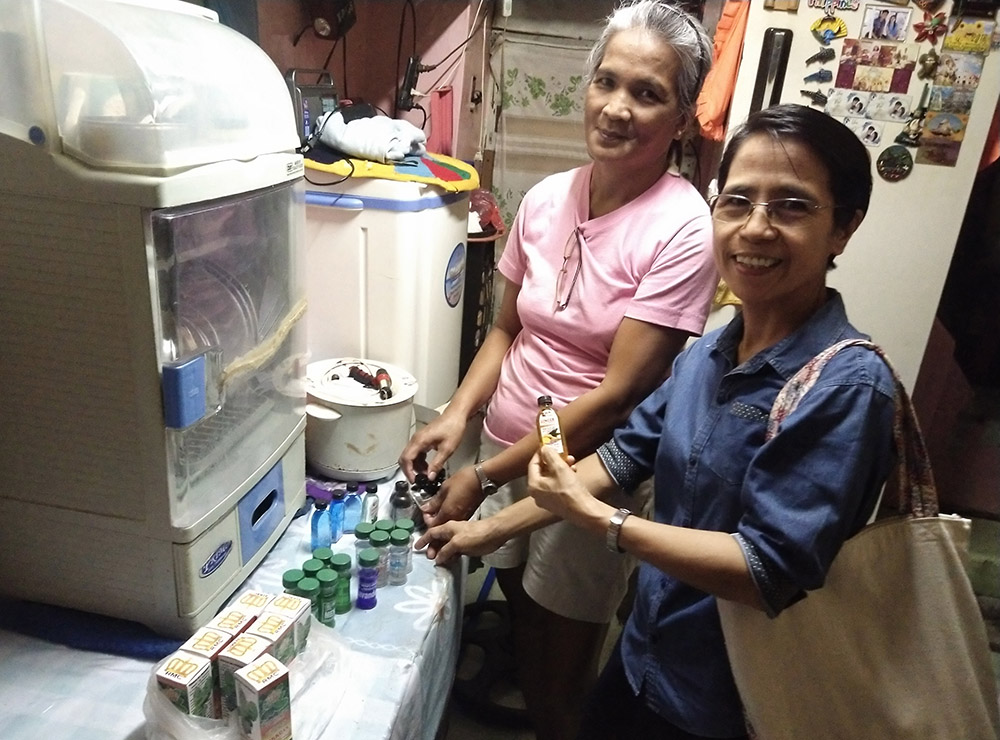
917 493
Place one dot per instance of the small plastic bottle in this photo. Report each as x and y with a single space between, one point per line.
370 503
290 580
308 588
327 579
409 527
550 428
321 526
336 515
312 566
380 542
401 504
361 534
399 546
367 578
352 508
341 564
323 554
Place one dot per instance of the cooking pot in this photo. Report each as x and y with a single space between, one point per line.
352 432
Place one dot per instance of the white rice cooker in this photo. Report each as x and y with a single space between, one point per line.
353 432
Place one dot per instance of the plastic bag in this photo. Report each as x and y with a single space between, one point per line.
316 670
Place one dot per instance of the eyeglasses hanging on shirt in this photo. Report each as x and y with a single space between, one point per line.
565 285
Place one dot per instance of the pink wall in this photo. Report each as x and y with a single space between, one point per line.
371 49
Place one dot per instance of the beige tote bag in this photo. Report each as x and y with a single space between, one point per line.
893 645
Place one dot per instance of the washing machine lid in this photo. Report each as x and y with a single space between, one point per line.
342 381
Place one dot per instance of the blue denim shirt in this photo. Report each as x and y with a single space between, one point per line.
790 502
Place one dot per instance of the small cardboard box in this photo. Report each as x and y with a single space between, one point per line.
242 651
186 680
264 700
252 602
280 630
233 619
297 609
208 642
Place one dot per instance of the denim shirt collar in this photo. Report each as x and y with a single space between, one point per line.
825 327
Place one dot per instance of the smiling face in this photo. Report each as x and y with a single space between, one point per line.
779 271
631 111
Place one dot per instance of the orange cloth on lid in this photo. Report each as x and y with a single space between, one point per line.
727 49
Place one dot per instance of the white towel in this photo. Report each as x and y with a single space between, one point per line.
378 138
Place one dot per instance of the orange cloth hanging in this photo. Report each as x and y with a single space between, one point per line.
727 49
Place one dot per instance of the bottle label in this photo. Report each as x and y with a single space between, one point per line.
549 430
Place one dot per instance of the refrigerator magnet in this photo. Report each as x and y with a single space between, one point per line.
894 163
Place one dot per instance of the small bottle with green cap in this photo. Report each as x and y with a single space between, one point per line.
312 566
290 580
399 545
362 532
367 578
327 579
341 564
386 525
409 527
323 554
379 540
308 588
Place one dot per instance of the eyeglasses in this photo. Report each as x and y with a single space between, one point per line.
780 211
573 244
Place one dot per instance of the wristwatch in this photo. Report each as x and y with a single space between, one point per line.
615 529
488 486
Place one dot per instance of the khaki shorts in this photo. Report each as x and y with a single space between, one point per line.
567 570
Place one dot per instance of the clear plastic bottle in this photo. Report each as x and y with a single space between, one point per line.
401 504
399 546
361 534
337 515
380 542
341 564
327 579
352 508
370 503
367 578
409 527
321 525
550 428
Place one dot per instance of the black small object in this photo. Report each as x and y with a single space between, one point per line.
815 96
825 54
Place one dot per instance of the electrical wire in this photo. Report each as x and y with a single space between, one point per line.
298 36
348 176
330 55
399 47
475 29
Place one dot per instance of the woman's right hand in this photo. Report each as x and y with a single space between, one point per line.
446 541
442 435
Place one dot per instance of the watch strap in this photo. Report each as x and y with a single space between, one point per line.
615 529
488 487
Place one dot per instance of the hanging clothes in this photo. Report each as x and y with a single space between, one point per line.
727 49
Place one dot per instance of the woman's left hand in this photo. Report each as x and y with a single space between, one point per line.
554 484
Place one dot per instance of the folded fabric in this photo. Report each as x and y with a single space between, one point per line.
378 138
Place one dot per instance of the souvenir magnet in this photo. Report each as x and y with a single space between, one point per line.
828 28
931 28
928 6
910 135
894 163
928 64
815 96
825 54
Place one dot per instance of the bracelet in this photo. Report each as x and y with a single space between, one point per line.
615 529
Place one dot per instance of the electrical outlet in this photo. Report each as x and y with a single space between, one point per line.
505 11
405 100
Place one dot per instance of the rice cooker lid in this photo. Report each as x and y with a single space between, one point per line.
330 381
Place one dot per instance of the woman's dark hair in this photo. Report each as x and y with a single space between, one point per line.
836 146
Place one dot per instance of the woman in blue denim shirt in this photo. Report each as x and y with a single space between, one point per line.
735 517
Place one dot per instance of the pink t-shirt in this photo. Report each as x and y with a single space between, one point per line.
649 260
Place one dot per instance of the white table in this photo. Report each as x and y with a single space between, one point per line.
384 673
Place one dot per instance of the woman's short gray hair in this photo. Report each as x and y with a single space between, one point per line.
675 27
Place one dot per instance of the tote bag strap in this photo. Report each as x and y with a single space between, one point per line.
917 493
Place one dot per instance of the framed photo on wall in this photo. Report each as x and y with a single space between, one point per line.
885 22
